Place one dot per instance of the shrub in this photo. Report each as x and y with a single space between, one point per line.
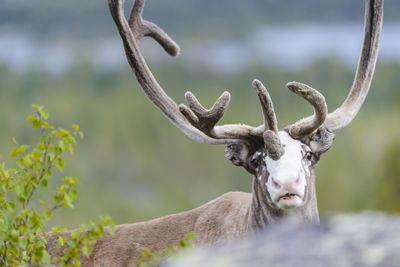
22 238
150 258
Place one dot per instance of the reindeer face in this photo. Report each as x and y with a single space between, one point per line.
284 180
287 179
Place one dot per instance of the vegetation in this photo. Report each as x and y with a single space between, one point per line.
142 167
22 224
151 258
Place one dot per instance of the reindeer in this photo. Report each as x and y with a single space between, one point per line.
282 162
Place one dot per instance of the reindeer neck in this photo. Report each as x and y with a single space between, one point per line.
262 214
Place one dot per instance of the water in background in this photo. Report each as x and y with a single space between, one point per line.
290 47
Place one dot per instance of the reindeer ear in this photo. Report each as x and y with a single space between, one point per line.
321 141
237 153
241 153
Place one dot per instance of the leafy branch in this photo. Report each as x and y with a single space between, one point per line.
150 258
21 226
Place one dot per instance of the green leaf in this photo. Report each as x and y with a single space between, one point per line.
71 150
22 242
75 127
10 206
20 163
44 182
57 150
68 202
14 152
45 114
37 153
14 140
22 199
56 229
35 123
31 118
37 107
35 218
71 181
18 188
45 258
60 163
63 132
71 140
50 157
62 145
53 133
61 241
87 250
47 214
71 243
77 234
27 161
14 235
44 203
44 124
41 146
47 173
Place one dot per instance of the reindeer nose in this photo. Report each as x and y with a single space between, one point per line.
275 184
289 183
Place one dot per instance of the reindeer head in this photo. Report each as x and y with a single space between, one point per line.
282 162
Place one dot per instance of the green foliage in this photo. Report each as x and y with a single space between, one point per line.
80 241
21 225
150 258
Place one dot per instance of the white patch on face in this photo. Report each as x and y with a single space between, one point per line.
286 175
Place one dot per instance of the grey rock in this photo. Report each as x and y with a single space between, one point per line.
365 239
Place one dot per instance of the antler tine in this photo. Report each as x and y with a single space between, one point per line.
365 69
270 121
136 12
206 119
143 28
315 98
202 118
271 140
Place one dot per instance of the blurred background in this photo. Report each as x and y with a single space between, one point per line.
133 164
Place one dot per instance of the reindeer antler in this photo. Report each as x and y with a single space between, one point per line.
270 135
315 98
131 33
342 116
195 121
199 123
202 118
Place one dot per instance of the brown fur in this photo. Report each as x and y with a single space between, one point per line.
221 219
230 216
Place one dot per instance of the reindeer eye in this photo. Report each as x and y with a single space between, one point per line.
255 162
308 155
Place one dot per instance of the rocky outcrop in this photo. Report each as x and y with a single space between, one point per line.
366 239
